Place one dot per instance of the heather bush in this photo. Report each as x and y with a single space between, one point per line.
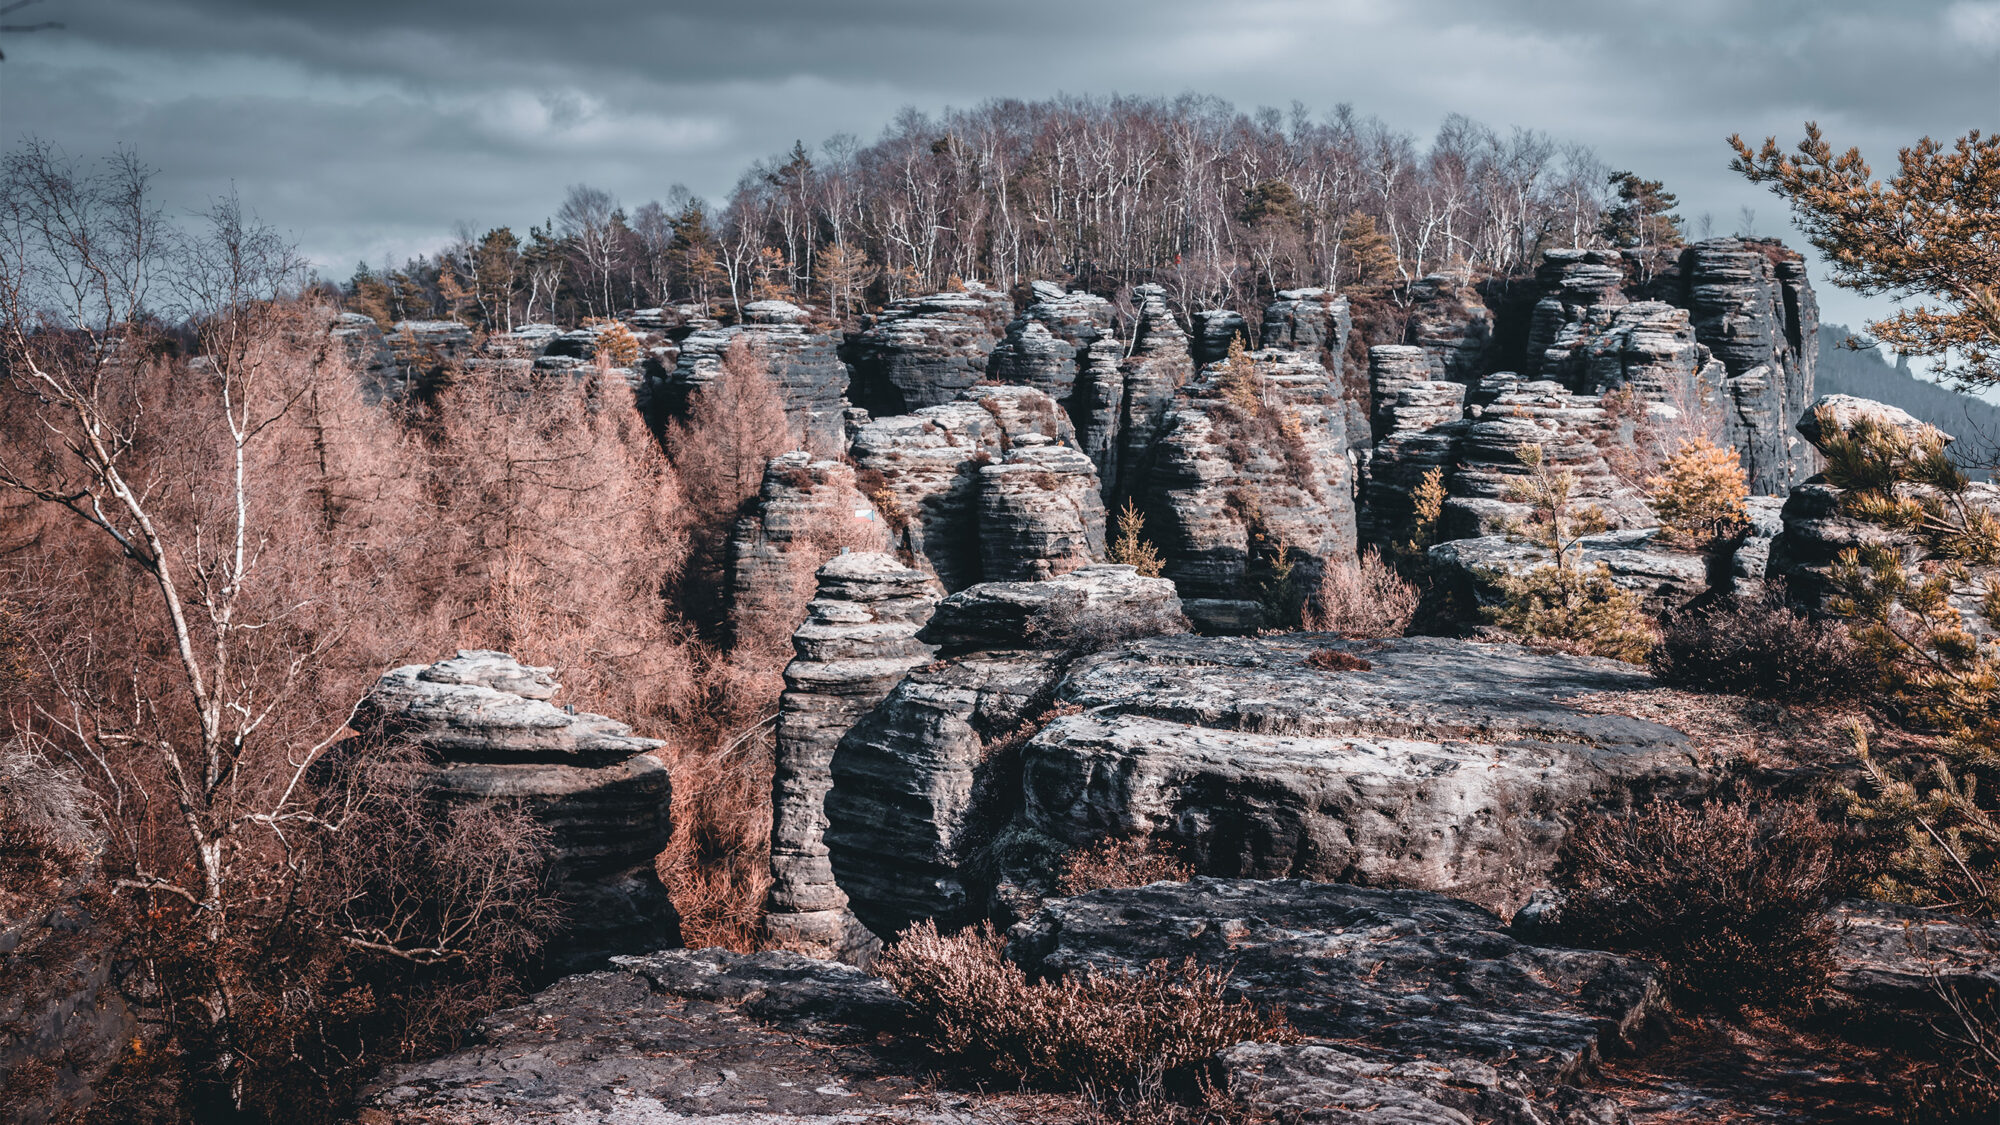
1132 862
1760 646
981 1011
1362 597
1731 900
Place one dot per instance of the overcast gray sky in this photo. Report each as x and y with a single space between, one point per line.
370 128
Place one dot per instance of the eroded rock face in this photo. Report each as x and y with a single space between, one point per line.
803 504
923 351
858 641
1158 366
1663 576
1573 432
1445 766
1214 329
924 472
1234 485
915 788
488 723
801 361
1454 328
1412 1007
1043 344
1040 513
1818 528
368 356
1753 307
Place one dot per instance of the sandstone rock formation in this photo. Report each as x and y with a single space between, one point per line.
1250 483
1573 432
923 351
805 507
1664 576
1451 324
1444 766
1308 320
1753 307
858 641
915 782
1158 366
487 723
803 363
925 471
369 358
1043 344
1412 1008
1212 332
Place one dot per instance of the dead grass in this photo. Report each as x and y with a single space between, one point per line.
1336 660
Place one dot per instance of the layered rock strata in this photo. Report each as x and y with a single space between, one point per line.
1039 512
858 641
488 724
805 507
1443 765
1251 480
1663 576
1753 307
923 351
916 787
1453 327
1158 365
802 362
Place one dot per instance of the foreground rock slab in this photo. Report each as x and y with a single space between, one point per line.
1412 1007
690 1036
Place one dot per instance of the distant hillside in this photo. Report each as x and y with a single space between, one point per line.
1864 373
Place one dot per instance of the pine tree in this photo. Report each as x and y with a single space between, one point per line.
1643 218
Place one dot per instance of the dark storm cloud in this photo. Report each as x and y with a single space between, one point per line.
370 127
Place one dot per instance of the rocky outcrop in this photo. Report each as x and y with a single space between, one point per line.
1252 480
1663 576
804 507
858 641
924 351
1039 512
1819 527
368 356
802 362
1213 331
1454 328
917 789
1753 307
1648 346
1570 282
1893 965
1443 765
1158 366
1573 432
488 724
1411 1008
1044 344
925 473
1308 320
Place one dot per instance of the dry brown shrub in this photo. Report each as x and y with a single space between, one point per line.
1132 862
980 1011
1336 660
1763 647
1362 597
1731 900
1070 622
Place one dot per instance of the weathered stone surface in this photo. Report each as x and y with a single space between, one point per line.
1308 320
803 505
915 788
1392 368
1818 528
1571 281
802 362
922 471
858 641
1232 487
1648 346
1666 578
923 351
1212 333
999 615
686 1037
1573 431
1843 412
1893 962
1453 326
1040 513
1754 308
1446 766
1413 1007
1043 344
488 723
1158 366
